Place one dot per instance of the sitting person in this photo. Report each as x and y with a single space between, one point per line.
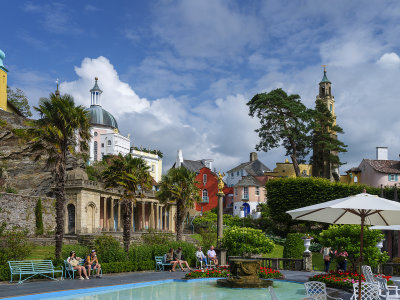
200 256
92 263
170 259
73 261
212 256
181 260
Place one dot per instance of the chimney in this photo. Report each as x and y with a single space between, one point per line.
382 153
253 156
179 159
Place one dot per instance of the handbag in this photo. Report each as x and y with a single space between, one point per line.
74 262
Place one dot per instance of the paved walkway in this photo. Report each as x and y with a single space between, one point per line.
45 285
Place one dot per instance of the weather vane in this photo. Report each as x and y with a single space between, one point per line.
324 66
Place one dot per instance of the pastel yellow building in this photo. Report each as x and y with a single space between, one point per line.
153 161
286 169
4 104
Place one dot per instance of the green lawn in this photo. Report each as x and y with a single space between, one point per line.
318 262
42 252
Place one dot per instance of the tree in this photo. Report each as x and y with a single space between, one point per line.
39 217
61 129
179 186
131 174
347 237
245 241
325 144
19 100
284 121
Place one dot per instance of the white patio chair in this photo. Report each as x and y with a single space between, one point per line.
272 293
385 291
369 276
317 291
369 291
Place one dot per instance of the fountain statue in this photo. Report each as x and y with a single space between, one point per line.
243 274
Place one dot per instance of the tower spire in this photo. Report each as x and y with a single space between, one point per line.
57 91
95 93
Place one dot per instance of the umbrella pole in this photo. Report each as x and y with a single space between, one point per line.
361 254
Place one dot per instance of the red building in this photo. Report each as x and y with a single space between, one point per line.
208 180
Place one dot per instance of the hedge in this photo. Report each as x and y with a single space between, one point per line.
294 246
290 193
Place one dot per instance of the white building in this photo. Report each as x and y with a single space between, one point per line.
106 139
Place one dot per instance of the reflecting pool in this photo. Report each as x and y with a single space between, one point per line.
171 290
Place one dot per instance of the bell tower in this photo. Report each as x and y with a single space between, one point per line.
325 94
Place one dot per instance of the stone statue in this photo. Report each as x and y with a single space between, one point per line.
221 183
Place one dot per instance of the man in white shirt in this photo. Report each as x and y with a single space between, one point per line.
212 256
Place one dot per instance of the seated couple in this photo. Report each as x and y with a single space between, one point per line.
90 263
212 256
176 258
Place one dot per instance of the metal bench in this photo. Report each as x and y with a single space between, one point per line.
161 263
33 268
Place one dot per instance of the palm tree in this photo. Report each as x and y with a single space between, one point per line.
61 130
131 174
179 186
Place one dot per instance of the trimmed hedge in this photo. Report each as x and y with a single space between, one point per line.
294 246
290 193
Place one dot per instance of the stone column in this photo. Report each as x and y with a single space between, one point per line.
143 215
157 216
171 219
220 219
151 218
119 222
112 215
133 218
107 217
165 218
307 261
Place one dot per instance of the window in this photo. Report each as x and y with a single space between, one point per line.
241 172
232 174
392 177
109 143
355 179
204 178
237 173
236 192
95 133
152 168
95 150
102 145
330 107
257 191
245 193
205 196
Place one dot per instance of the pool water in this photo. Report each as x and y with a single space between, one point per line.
171 290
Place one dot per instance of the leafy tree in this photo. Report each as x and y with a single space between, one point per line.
326 146
245 241
179 186
347 237
61 128
284 122
95 170
19 100
14 244
39 217
131 174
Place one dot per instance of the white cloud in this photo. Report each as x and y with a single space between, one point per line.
204 131
389 60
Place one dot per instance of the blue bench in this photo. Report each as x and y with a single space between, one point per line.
161 263
70 271
33 268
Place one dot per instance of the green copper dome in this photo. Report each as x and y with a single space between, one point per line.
99 116
325 79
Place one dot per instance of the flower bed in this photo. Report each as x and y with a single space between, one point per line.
223 272
344 280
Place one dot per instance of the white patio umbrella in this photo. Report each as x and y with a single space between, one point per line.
363 209
392 227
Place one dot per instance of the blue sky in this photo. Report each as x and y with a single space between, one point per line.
177 74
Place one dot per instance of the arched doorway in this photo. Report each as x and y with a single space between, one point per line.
71 218
246 209
90 218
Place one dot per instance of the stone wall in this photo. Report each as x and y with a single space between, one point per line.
19 211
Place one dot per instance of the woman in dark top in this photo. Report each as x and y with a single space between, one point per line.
170 259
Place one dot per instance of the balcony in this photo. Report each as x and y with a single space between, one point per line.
205 199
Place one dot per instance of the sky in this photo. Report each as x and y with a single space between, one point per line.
178 74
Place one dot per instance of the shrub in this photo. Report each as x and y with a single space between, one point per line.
207 221
294 246
208 273
5 273
315 247
242 241
276 239
11 190
14 245
118 267
290 193
208 238
80 250
39 217
347 237
157 238
109 249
